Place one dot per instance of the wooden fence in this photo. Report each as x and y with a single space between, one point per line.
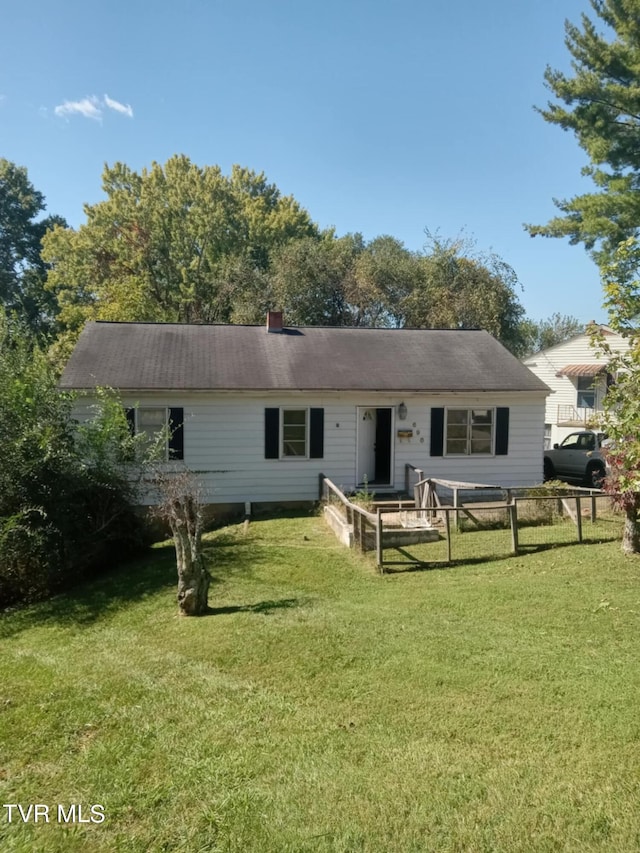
521 522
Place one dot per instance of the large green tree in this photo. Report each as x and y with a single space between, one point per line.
310 280
331 281
462 289
22 269
347 281
385 276
171 243
599 101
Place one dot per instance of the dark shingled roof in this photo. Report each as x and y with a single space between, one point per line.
170 356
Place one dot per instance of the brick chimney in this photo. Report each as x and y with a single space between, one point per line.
274 321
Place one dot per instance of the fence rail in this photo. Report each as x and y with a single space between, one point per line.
572 416
523 521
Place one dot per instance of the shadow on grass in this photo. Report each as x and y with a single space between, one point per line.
415 564
265 607
103 595
98 596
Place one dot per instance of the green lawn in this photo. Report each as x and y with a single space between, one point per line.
323 707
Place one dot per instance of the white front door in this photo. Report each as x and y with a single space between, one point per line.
366 441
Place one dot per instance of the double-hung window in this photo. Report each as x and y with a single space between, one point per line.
469 432
586 392
152 420
294 432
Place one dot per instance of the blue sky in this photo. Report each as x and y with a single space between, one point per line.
379 117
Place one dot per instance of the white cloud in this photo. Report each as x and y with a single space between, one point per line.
92 107
125 109
88 107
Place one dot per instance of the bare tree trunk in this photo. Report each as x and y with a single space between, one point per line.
180 506
631 534
185 519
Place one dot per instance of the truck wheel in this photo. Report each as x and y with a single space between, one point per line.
549 470
595 476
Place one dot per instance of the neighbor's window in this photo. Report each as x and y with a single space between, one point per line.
294 432
469 432
586 392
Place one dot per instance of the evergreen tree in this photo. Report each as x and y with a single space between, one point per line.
600 102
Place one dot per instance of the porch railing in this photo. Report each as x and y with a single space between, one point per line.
572 416
412 475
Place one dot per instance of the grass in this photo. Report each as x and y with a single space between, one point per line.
322 707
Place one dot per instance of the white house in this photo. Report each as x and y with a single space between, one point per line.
260 412
576 373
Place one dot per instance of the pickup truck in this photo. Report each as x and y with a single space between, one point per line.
579 457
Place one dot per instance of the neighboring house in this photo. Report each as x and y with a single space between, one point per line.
577 375
260 412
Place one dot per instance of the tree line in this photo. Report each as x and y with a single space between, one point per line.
183 243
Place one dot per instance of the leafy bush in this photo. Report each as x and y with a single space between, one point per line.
66 503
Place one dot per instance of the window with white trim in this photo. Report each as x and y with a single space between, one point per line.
469 432
294 433
153 420
586 392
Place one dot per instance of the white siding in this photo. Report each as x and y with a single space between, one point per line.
547 363
224 442
522 466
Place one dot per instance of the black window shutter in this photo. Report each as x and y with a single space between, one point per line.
437 431
131 420
272 433
316 433
176 433
502 431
